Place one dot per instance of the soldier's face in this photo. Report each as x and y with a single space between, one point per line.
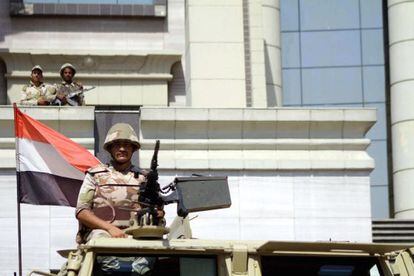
122 152
37 76
67 74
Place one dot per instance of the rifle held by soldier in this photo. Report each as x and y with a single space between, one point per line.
149 192
70 97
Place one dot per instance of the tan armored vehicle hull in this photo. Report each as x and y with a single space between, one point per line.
223 258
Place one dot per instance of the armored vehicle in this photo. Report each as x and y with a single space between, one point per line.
185 256
149 251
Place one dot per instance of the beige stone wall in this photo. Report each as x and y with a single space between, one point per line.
301 174
120 79
215 51
96 33
128 59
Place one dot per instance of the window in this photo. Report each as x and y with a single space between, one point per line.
157 265
320 266
151 8
117 2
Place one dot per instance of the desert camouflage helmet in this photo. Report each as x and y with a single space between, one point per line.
67 65
121 131
37 67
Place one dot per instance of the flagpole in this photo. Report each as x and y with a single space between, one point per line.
19 227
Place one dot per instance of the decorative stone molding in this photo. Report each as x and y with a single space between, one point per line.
131 76
225 139
258 139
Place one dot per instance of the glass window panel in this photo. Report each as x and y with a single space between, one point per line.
318 265
371 14
197 267
142 2
329 15
290 50
374 84
379 202
155 265
378 151
332 85
41 1
291 87
145 2
87 1
372 47
330 48
378 131
336 105
289 15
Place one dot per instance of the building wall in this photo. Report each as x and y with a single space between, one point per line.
102 33
295 174
128 59
333 55
310 206
303 175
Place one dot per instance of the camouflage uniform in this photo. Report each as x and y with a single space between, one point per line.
113 196
32 93
105 191
67 88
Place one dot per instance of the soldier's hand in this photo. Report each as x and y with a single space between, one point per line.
160 213
62 98
115 232
42 101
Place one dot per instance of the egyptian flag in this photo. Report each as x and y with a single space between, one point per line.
50 167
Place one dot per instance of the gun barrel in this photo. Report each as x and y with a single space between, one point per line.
154 160
77 92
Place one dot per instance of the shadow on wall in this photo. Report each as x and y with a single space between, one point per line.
176 87
3 83
271 96
95 24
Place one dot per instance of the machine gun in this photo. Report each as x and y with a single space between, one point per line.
149 194
192 194
70 97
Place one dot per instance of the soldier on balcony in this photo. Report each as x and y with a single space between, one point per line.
69 92
37 92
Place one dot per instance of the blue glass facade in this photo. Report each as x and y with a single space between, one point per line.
333 55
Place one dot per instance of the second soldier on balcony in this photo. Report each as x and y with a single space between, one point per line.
69 92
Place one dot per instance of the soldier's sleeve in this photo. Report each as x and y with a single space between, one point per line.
26 97
50 92
59 89
86 194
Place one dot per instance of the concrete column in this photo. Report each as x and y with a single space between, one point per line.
271 35
401 49
215 69
254 54
3 83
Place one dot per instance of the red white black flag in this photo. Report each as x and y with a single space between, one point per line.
50 167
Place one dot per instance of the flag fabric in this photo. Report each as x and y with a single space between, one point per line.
50 167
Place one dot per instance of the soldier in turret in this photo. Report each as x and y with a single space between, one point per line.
69 86
37 92
110 192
